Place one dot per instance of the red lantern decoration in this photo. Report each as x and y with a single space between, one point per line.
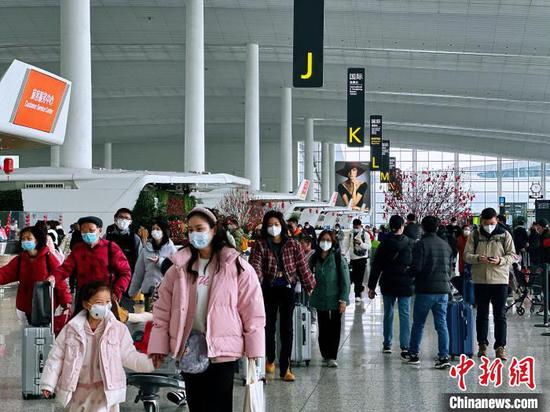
8 165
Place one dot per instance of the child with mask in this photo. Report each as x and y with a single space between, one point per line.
331 295
85 367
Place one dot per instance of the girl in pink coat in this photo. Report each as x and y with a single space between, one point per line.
209 295
85 367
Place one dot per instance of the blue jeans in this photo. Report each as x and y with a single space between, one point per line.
404 305
422 306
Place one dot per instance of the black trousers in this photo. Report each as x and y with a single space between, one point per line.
212 390
279 300
358 268
329 324
495 295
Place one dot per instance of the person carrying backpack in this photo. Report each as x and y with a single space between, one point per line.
391 266
331 295
359 247
490 250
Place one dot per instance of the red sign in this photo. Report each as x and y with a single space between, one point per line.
39 101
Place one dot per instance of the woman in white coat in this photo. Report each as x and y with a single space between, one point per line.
147 274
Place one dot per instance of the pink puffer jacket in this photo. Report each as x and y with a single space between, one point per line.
236 316
116 349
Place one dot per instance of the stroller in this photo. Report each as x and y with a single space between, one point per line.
527 283
149 384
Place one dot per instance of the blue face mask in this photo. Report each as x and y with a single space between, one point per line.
28 245
200 240
89 238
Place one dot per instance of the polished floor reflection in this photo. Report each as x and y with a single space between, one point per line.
366 379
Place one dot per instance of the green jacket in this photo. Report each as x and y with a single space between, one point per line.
328 293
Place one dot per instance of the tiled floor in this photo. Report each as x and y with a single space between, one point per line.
366 380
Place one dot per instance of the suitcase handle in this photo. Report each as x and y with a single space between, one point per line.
52 307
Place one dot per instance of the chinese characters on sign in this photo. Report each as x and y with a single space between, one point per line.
39 102
375 142
520 372
356 108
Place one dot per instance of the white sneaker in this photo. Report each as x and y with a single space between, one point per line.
313 328
331 363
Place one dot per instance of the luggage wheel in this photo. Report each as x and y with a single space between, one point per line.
520 311
307 363
151 406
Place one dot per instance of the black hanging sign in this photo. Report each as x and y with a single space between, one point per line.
356 108
385 162
375 142
309 22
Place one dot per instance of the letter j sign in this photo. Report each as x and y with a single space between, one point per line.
309 20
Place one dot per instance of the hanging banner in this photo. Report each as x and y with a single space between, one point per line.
375 142
385 162
309 22
353 185
356 107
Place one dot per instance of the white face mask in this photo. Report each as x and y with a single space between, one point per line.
274 230
123 224
467 232
156 234
356 230
325 245
489 228
99 311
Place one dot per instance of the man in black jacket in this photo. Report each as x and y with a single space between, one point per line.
431 269
412 229
521 237
391 265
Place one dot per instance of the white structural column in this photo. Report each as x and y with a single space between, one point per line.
108 155
252 117
295 165
332 160
325 173
499 177
543 178
286 141
308 158
194 86
55 156
76 65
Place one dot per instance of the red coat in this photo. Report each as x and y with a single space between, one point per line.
461 244
91 264
33 270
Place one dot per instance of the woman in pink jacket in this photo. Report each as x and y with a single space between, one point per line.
210 313
85 367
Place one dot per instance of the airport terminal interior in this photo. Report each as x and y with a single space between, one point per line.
124 122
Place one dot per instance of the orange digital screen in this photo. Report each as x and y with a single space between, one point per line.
39 101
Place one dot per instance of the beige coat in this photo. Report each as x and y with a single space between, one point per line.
499 245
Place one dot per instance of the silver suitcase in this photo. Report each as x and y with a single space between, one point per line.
37 343
301 343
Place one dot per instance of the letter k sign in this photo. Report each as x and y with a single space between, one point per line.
353 135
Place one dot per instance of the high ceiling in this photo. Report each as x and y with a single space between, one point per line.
453 75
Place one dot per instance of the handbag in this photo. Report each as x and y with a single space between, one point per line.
195 357
254 399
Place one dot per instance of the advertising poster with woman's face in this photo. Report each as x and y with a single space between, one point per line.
353 185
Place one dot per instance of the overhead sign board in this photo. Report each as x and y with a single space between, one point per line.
34 106
356 107
309 23
375 142
385 162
